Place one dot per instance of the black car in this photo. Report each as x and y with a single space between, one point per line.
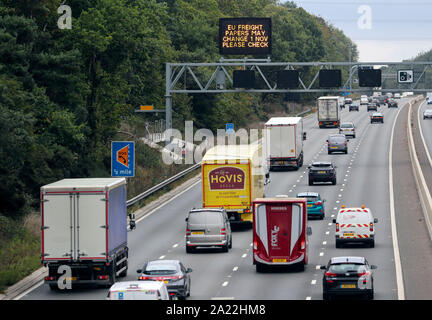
348 276
377 117
372 106
353 107
392 103
322 172
172 272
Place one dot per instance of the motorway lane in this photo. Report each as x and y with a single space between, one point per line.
307 285
426 126
218 274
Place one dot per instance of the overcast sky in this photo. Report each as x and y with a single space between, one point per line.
384 30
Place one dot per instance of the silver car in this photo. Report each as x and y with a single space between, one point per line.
208 228
427 114
347 128
337 143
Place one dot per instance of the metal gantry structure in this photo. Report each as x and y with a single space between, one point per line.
216 77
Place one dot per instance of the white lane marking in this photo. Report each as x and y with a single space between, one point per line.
168 201
225 284
324 243
235 268
161 257
327 232
244 255
313 282
308 298
398 265
318 267
37 285
321 254
175 245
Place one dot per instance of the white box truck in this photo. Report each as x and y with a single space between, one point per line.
328 112
284 142
84 231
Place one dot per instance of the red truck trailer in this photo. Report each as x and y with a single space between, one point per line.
280 232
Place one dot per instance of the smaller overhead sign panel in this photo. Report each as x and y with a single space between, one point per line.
245 36
405 76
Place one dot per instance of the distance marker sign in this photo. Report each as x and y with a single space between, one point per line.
122 159
245 36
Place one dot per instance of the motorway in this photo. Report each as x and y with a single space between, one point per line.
362 178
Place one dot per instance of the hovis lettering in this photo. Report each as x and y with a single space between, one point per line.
274 236
223 178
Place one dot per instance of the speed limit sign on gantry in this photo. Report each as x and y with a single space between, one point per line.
405 76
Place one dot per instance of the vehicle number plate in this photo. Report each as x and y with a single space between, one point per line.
166 281
333 147
310 206
279 260
323 172
281 162
197 232
348 286
71 279
348 234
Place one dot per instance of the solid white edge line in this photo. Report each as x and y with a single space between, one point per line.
421 134
37 285
398 266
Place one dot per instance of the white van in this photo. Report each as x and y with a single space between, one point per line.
355 225
364 100
138 290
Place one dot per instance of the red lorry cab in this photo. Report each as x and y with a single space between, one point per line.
280 232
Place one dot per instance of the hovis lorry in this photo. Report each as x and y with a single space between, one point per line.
284 142
280 233
84 231
328 112
232 176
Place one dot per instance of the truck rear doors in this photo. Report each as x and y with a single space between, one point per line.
73 225
279 232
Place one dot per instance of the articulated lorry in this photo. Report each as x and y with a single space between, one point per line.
84 231
232 177
284 142
328 112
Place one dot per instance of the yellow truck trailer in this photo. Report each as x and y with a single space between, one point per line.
232 177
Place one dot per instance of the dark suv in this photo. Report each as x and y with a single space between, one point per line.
353 107
322 172
372 106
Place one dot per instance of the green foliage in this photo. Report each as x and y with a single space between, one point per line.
64 93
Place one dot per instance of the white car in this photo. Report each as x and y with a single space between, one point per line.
397 96
347 128
364 100
138 290
354 225
427 114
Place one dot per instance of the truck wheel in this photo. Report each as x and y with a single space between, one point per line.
112 275
310 182
53 286
124 273
333 181
230 243
338 244
372 244
260 268
326 296
190 249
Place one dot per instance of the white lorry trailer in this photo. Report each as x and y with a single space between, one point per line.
84 231
284 142
328 112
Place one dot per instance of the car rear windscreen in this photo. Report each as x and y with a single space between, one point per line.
205 217
347 268
337 139
346 125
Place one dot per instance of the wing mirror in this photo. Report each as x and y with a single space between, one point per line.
189 270
132 223
334 220
373 267
323 267
139 271
309 231
375 220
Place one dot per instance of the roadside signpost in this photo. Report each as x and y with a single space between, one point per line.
122 159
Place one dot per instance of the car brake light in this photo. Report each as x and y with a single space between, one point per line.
102 277
302 245
247 210
143 278
223 231
337 227
188 232
361 274
255 245
318 203
371 226
49 278
328 143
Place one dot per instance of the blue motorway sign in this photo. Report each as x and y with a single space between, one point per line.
122 159
229 128
346 93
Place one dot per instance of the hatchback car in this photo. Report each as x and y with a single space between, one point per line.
348 129
175 275
208 228
427 114
372 107
348 276
377 117
392 103
322 172
337 143
354 107
315 205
